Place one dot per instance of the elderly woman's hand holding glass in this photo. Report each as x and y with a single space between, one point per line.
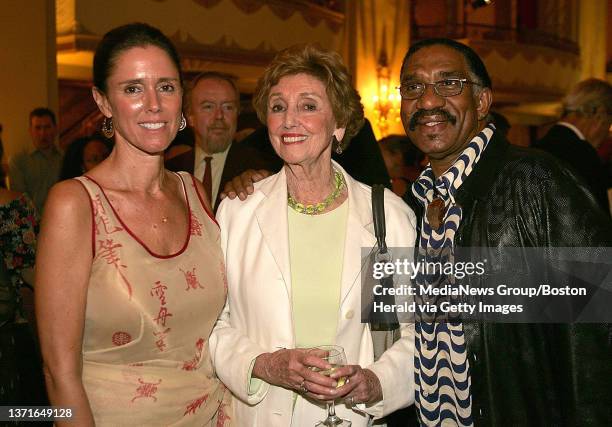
293 254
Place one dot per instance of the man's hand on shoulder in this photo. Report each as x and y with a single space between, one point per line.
241 186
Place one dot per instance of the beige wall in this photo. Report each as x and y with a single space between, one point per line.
28 72
193 27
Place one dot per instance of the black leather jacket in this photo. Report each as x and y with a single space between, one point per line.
533 374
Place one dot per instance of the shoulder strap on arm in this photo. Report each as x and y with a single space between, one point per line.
378 214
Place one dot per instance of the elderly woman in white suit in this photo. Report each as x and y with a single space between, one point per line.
293 254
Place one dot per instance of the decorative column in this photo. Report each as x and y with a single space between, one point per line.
377 38
592 38
29 71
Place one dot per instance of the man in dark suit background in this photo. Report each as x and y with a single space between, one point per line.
212 104
584 124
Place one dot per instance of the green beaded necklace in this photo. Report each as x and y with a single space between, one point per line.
317 208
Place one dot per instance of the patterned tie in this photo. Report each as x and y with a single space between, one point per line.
207 181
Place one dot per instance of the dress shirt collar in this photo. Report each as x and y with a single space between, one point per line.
573 128
200 154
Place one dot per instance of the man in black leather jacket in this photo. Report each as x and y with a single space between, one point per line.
521 373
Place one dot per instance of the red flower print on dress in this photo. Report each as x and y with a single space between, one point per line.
196 226
195 405
107 249
146 390
190 365
121 338
222 417
191 279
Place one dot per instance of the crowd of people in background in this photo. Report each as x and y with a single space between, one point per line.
129 221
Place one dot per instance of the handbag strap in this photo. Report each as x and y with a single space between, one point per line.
382 321
378 215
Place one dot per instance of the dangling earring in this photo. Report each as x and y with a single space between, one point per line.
337 144
183 124
107 127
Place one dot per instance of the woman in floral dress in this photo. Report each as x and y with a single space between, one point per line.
21 380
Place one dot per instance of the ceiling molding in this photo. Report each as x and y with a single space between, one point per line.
311 12
190 51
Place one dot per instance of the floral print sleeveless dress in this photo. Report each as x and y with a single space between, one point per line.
148 319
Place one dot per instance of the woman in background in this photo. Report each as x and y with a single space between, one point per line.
21 380
83 154
130 276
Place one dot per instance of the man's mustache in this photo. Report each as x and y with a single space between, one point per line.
419 114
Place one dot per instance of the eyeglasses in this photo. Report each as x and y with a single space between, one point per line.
445 88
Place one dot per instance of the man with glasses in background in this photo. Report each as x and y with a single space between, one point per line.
480 191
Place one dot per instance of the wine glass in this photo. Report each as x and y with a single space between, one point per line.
334 355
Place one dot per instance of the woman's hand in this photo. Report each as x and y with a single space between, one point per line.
292 369
361 386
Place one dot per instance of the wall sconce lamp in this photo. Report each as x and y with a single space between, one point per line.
386 101
481 3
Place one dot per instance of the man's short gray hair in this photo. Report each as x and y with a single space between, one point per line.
587 97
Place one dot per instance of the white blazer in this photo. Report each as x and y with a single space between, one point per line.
257 317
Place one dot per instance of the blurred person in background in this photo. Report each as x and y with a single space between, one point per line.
2 165
83 154
34 171
21 378
605 154
212 106
583 127
403 160
502 125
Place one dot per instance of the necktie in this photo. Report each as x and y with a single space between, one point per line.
207 181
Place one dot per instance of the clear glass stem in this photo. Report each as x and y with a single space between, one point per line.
332 418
